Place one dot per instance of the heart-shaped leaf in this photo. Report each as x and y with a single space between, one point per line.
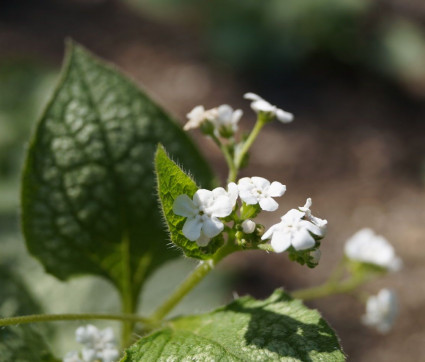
89 203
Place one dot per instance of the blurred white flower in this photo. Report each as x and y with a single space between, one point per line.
367 247
258 104
258 190
292 231
225 120
199 115
321 223
381 310
99 345
72 356
203 212
248 226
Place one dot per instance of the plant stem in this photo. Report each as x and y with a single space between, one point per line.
201 271
229 159
261 121
70 317
128 299
330 288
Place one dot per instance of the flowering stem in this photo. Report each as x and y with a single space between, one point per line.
261 121
201 271
331 288
229 159
70 317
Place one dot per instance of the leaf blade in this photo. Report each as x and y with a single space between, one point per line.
173 182
88 199
278 329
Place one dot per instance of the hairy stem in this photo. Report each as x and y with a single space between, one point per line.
233 172
34 318
201 271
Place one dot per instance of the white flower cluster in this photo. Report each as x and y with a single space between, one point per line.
99 345
298 227
381 310
367 247
225 120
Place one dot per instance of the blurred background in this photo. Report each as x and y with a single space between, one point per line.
352 72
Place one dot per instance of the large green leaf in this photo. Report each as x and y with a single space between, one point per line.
89 202
276 329
173 182
22 343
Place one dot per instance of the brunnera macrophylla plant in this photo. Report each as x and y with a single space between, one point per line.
100 156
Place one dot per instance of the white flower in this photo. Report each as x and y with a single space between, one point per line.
258 104
367 247
292 231
203 212
226 119
381 310
99 345
248 226
258 190
199 115
72 356
321 223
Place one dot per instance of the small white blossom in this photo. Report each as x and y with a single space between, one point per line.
321 223
99 345
225 118
72 356
258 104
199 115
203 212
258 190
381 310
293 231
367 247
248 226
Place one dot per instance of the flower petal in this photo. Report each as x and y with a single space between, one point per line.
252 96
221 207
212 227
260 182
303 240
203 198
203 240
284 117
184 206
270 231
192 228
280 241
263 106
276 189
268 204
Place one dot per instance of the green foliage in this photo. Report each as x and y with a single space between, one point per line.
276 329
172 182
88 187
23 344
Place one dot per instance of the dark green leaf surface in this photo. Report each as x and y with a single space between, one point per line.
276 329
89 202
172 182
23 344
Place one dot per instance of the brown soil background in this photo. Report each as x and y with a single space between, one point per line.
357 148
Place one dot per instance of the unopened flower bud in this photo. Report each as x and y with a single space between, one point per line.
248 226
315 256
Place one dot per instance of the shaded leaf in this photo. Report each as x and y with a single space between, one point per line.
276 329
